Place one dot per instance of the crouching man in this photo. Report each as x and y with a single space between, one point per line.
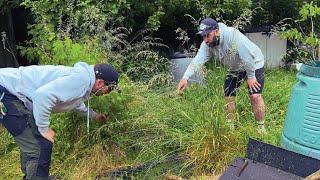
28 95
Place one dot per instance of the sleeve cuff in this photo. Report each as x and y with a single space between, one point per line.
251 74
92 114
185 77
43 130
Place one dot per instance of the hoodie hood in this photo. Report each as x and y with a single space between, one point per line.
89 69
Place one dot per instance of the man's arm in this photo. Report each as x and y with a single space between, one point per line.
197 62
195 65
47 96
83 110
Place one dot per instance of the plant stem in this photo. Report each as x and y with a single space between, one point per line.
312 31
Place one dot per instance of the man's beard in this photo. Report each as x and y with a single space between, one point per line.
216 42
99 91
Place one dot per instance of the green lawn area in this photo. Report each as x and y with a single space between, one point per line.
150 124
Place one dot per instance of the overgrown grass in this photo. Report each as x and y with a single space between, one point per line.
150 125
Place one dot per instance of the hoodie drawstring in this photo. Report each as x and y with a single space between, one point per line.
88 116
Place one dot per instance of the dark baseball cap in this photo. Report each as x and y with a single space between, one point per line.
107 73
206 26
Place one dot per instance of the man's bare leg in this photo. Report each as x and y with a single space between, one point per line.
230 110
258 108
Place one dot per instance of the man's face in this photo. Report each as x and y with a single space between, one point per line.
100 88
102 91
211 37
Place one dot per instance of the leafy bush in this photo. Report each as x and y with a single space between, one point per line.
306 40
223 10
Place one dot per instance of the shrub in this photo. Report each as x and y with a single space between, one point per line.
306 40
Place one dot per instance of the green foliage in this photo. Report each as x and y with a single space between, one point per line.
7 5
154 20
141 63
69 31
292 34
309 10
312 40
42 38
57 21
271 12
223 10
294 55
65 52
307 38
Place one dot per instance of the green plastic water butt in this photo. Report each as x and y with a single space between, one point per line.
301 132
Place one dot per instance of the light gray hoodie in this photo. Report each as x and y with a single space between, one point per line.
46 89
236 51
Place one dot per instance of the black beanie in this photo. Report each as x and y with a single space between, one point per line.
107 73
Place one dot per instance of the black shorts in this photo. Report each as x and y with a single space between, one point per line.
234 80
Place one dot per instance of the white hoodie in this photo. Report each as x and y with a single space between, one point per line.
46 89
236 51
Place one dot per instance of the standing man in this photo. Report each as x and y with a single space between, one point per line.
30 94
243 59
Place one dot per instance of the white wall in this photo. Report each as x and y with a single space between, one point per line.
273 48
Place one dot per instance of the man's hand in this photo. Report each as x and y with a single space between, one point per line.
253 84
49 135
182 85
102 117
